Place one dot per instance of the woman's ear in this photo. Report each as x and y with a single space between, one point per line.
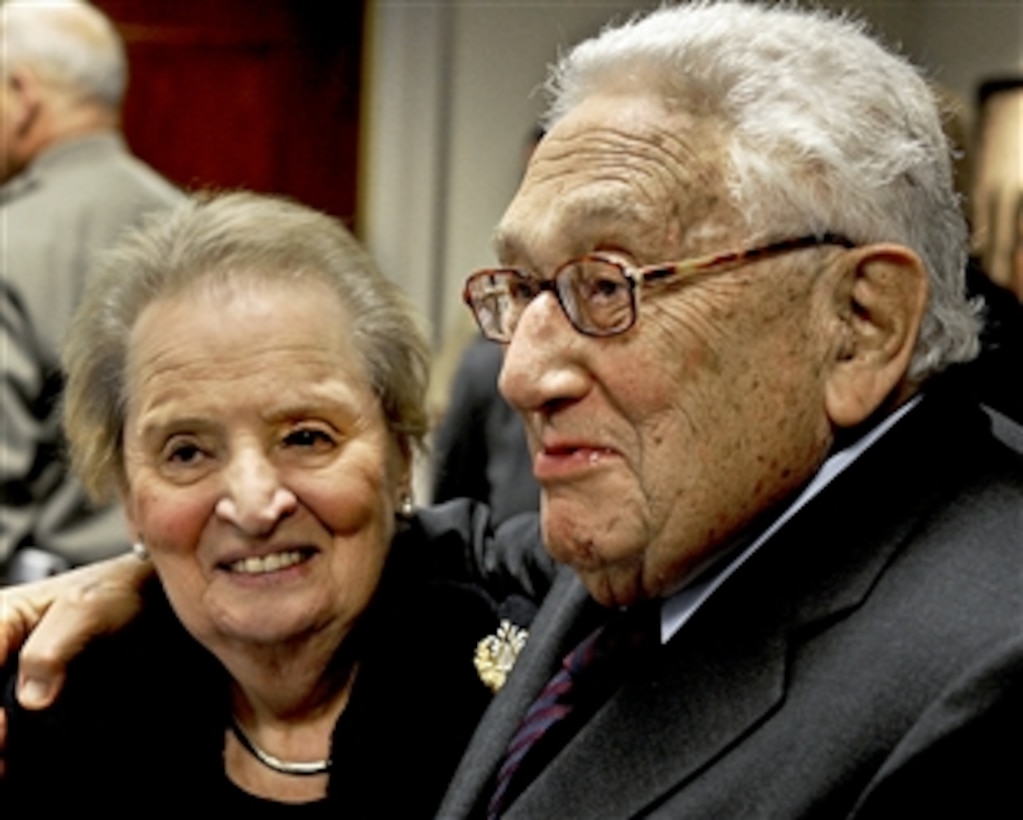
129 517
122 493
405 463
880 297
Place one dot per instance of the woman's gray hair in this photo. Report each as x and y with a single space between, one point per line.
69 42
213 239
828 132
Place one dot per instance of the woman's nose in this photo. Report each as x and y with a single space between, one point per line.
255 498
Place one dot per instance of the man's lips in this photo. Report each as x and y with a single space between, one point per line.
566 460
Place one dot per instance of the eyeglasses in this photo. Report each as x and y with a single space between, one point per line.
598 292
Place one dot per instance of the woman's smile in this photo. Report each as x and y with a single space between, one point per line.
250 419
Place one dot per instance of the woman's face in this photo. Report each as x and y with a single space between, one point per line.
261 474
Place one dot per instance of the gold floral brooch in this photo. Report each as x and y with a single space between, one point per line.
496 654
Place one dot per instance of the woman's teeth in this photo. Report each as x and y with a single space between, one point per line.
268 563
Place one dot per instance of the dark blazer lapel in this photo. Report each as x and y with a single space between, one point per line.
841 548
557 627
723 674
701 693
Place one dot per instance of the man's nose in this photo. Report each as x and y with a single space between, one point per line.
540 368
255 498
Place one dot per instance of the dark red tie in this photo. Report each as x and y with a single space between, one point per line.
593 666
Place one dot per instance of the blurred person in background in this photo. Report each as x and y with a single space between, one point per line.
479 446
997 190
996 270
988 179
70 186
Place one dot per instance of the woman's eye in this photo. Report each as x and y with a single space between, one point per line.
184 453
184 460
310 438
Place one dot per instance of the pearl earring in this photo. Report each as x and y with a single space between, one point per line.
140 551
405 506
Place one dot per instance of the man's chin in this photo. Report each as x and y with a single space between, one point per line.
613 587
612 580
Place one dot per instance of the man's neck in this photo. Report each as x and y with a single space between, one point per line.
62 123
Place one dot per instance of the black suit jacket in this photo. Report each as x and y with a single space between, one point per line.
867 661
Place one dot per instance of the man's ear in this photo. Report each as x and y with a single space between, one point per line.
26 97
880 297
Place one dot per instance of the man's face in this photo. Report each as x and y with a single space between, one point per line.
659 446
8 115
16 109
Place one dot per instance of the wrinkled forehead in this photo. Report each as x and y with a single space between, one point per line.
620 171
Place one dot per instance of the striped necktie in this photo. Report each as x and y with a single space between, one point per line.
587 674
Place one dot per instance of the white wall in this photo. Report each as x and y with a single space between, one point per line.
427 229
451 97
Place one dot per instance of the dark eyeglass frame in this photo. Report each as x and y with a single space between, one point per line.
478 294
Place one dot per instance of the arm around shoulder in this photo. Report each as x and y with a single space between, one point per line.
49 622
463 544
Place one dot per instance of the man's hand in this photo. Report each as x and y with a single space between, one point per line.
52 620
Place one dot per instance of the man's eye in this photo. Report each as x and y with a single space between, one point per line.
605 287
521 289
602 297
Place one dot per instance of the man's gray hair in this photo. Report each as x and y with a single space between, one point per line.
68 42
828 132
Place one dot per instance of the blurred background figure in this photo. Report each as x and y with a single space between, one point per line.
479 447
70 186
23 385
995 374
989 176
997 194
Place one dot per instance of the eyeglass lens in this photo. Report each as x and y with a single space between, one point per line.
596 296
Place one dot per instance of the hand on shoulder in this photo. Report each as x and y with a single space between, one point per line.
50 621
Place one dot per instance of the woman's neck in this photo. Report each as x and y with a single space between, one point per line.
286 700
289 680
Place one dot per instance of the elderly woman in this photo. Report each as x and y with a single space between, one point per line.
252 389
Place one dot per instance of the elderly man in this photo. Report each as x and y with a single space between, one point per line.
731 294
729 283
70 186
